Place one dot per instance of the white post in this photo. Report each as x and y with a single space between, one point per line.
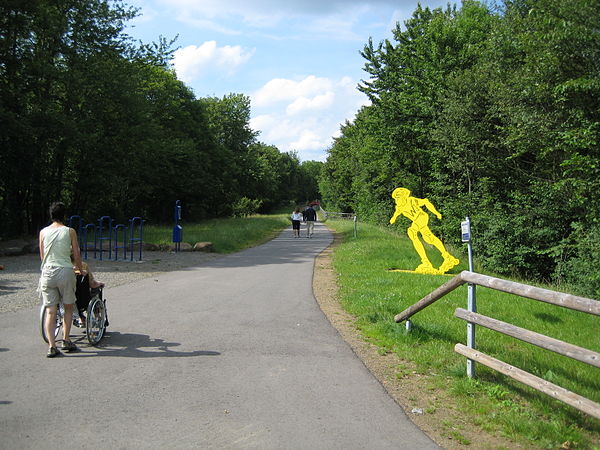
471 298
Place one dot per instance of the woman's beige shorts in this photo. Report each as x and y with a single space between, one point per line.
57 285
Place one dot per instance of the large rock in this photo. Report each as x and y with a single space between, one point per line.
204 247
149 247
33 246
14 247
183 247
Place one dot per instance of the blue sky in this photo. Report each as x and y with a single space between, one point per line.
297 60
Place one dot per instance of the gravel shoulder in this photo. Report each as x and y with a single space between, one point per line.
19 279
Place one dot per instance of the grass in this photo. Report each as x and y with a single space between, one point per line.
492 401
227 235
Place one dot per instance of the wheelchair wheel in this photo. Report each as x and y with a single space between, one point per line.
59 321
95 320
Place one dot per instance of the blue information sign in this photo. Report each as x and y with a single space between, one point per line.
466 230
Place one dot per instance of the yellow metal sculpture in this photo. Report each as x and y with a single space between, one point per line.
411 207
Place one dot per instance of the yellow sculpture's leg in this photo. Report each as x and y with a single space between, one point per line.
425 266
449 260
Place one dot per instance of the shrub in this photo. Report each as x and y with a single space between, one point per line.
245 207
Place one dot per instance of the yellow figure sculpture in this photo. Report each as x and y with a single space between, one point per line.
411 207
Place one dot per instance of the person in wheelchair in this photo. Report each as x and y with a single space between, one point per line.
86 288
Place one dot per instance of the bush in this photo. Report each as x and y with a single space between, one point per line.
580 268
245 207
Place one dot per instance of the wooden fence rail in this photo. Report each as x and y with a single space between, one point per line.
544 295
577 401
572 351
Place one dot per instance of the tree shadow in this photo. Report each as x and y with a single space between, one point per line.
4 289
132 345
549 318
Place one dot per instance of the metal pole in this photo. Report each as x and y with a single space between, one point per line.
471 297
355 230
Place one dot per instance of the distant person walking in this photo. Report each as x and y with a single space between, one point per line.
297 216
310 216
57 281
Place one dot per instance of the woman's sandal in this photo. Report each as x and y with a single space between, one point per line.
68 346
52 352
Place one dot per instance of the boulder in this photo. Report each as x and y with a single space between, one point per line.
183 247
14 247
148 247
203 247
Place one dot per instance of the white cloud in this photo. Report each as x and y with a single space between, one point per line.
304 115
309 140
262 122
281 89
306 104
193 62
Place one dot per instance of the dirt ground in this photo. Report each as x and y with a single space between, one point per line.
431 410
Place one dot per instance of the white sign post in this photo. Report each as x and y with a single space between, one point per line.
471 301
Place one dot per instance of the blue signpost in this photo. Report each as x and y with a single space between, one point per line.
177 229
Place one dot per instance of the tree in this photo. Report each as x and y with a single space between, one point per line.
493 114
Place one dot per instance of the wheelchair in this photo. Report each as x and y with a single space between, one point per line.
91 312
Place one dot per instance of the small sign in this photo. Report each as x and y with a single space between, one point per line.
466 230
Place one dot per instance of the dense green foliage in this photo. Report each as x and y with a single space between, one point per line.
492 114
102 123
492 401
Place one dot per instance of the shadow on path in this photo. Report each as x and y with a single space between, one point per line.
132 345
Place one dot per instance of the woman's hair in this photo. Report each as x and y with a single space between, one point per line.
57 212
297 210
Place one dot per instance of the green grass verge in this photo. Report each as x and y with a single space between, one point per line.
496 403
227 235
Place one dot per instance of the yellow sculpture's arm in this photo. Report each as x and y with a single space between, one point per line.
430 207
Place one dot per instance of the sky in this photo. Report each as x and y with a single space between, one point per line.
298 61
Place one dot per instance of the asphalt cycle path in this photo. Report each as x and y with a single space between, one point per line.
231 354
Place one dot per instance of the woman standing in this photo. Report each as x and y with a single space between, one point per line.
57 282
296 218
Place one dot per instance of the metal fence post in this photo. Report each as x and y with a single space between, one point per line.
471 297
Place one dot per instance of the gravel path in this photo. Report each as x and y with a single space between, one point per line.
19 279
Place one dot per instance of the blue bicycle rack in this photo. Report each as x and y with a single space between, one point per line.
116 246
104 223
76 222
84 242
136 224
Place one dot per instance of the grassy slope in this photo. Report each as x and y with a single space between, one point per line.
374 295
227 235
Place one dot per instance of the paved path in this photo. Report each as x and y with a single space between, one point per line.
233 354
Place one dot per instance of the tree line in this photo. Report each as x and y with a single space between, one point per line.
99 121
491 110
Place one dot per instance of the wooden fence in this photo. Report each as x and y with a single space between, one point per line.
583 304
